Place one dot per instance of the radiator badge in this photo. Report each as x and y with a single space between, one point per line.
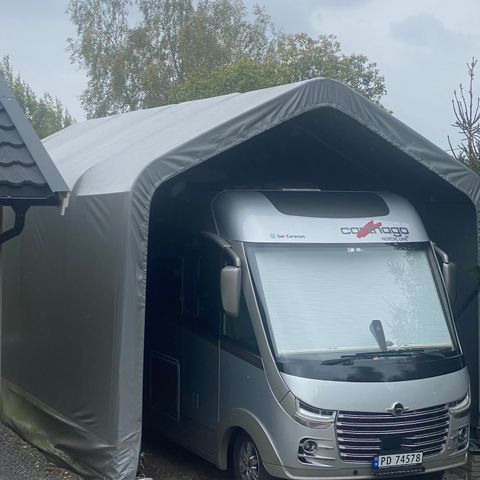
397 409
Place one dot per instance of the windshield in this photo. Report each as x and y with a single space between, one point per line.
334 298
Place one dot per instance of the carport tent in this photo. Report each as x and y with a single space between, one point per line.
75 286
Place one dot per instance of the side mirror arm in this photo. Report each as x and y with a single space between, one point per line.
441 253
449 273
225 246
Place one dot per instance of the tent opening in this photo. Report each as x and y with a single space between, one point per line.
322 149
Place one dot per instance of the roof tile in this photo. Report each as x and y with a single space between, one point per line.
10 137
9 155
18 175
5 121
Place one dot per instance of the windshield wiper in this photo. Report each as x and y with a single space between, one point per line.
376 328
348 359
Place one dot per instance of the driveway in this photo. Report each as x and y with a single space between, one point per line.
162 460
20 461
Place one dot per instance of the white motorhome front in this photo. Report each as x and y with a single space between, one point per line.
308 334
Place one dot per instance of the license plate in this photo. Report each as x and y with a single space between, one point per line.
397 460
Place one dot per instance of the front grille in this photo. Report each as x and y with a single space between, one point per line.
361 436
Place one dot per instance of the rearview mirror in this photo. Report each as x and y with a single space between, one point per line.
231 287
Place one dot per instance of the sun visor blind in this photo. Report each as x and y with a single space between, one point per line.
325 298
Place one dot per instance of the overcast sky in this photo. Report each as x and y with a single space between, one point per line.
420 46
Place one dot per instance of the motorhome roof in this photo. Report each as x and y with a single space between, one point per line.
306 216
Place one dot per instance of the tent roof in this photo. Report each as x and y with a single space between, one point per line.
108 155
27 173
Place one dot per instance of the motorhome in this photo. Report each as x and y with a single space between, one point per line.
304 335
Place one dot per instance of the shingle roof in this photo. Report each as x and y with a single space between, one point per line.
26 170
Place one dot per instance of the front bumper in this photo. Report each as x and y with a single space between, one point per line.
332 466
359 472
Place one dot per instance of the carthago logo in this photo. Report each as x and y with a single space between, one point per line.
368 228
375 228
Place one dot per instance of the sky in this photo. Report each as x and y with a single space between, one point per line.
420 46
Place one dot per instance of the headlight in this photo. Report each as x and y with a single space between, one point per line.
313 417
461 407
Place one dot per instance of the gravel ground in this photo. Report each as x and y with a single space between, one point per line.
456 475
20 461
162 460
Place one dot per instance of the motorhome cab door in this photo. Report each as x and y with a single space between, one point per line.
200 344
183 341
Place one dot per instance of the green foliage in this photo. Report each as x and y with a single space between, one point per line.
104 50
300 57
291 58
184 50
46 114
242 76
466 108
